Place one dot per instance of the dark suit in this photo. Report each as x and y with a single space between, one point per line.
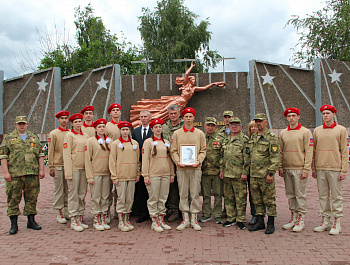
140 188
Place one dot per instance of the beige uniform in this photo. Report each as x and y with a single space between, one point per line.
74 146
55 155
189 178
124 166
112 130
88 130
97 170
330 159
296 157
158 169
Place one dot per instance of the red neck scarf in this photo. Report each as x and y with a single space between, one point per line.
81 132
63 130
85 125
156 139
296 128
113 122
124 141
329 127
192 130
98 137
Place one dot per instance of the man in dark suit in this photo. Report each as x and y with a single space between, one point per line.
140 134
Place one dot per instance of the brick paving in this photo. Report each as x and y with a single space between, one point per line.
58 244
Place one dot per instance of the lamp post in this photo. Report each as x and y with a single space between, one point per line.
223 61
145 61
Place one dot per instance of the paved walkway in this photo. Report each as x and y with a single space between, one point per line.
58 244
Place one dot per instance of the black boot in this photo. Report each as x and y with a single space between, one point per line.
14 226
259 225
270 225
31 223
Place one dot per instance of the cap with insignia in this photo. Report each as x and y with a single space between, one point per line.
210 120
228 113
20 119
260 116
235 120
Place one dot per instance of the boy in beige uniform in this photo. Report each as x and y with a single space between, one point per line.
112 130
55 155
87 128
296 157
124 166
330 166
189 175
74 147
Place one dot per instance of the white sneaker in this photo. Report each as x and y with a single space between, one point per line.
324 226
60 217
75 224
97 223
155 225
292 221
122 226
127 221
336 229
299 226
81 220
194 222
162 223
104 223
185 222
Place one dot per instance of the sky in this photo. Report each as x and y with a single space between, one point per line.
245 30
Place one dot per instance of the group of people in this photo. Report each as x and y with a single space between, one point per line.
163 167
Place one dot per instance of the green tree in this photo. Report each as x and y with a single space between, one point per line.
169 32
324 34
97 47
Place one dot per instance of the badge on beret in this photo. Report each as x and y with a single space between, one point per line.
65 145
274 148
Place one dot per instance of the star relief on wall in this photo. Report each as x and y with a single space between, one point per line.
267 78
102 83
42 84
335 76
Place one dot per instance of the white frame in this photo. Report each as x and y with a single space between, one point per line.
184 161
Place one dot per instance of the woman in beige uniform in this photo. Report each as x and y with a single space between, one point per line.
124 166
74 146
97 174
158 173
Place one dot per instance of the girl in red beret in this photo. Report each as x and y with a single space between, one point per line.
124 166
158 173
74 146
97 174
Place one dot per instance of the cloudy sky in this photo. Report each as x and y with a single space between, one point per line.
244 29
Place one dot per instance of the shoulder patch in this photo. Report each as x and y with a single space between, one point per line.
49 140
274 148
85 148
65 145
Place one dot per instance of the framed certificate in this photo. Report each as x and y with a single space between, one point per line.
188 154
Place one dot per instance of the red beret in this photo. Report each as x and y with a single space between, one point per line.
62 113
328 107
98 122
87 108
188 110
156 121
291 110
75 117
114 105
124 124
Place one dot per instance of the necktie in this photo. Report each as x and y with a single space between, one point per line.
144 134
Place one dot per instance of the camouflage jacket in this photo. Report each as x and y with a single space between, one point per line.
264 154
222 134
233 156
22 156
211 163
169 129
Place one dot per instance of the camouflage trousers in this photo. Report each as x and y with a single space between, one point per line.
263 194
209 183
235 193
30 186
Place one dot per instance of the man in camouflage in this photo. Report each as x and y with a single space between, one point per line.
22 161
263 148
174 123
234 172
224 132
210 174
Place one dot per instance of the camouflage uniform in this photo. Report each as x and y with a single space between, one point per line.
210 177
173 197
23 166
232 164
264 159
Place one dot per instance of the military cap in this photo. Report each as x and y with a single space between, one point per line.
99 121
210 120
114 105
228 113
260 116
328 107
124 124
75 117
87 108
188 110
20 119
235 120
291 110
156 121
62 113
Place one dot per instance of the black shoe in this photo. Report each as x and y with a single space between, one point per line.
228 223
14 226
270 225
31 223
241 225
253 221
260 224
142 219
